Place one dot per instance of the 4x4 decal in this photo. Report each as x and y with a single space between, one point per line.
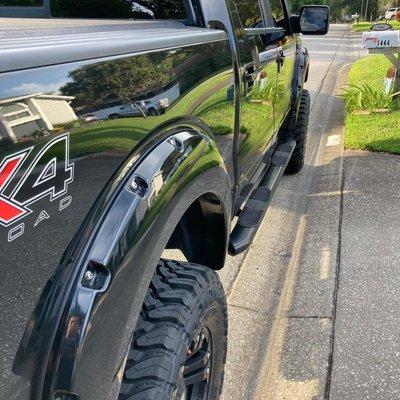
10 211
49 174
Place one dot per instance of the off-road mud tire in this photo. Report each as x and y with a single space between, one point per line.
299 134
185 303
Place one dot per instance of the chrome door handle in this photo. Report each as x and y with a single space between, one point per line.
270 55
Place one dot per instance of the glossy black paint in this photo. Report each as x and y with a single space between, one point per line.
97 328
105 149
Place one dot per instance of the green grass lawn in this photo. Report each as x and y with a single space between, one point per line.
374 132
371 70
366 26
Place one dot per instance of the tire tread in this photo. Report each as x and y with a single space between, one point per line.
299 134
176 292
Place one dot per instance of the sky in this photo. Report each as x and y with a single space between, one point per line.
47 80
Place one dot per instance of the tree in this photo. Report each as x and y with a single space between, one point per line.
138 9
161 9
342 7
126 78
297 4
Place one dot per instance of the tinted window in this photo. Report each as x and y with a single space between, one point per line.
277 10
137 9
249 12
22 3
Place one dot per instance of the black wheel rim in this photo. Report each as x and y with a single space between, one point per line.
197 368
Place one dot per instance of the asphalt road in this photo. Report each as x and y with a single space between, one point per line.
282 292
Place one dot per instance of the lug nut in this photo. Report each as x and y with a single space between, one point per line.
176 143
89 275
134 185
139 186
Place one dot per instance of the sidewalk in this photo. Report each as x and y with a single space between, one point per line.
366 357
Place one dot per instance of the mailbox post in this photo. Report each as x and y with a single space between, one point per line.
387 43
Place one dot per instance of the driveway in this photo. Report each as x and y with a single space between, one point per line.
367 325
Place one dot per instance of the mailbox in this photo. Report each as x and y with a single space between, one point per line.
381 40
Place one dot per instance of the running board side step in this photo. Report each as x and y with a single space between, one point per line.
252 215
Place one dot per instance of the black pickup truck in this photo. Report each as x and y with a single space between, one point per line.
120 140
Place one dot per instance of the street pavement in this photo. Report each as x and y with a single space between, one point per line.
282 293
314 303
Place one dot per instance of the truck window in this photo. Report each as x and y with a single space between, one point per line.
249 12
137 9
277 10
276 13
21 3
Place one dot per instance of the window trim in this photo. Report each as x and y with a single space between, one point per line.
286 15
262 14
42 11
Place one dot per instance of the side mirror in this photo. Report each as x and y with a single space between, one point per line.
313 20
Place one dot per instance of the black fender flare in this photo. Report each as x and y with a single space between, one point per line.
301 72
85 326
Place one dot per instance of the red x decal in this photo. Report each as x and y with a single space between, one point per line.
8 210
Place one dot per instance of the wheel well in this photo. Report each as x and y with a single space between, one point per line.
201 233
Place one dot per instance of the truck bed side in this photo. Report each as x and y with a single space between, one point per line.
63 169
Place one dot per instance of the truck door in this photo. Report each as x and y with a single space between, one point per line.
285 42
258 83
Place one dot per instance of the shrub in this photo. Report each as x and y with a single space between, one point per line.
366 97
